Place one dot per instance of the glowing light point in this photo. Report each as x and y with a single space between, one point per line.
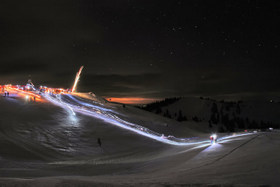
213 138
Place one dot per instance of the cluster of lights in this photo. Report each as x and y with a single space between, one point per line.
27 93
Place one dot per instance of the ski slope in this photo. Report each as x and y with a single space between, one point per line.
45 144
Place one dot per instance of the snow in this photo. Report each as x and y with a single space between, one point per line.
44 145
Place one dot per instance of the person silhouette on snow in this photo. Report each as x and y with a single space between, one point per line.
99 142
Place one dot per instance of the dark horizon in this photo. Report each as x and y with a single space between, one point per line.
144 49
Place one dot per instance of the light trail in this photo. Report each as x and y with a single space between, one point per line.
115 120
26 93
225 139
59 97
75 105
77 79
87 104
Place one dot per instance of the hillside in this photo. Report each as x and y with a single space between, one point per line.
225 115
45 144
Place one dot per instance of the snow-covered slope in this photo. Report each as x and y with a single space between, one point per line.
44 145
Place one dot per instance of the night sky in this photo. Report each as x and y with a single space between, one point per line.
144 49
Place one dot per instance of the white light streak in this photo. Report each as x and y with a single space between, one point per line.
77 79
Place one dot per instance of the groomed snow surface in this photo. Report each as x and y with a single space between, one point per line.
42 144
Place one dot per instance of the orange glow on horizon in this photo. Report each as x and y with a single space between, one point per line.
131 100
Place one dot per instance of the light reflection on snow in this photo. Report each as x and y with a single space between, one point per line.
213 147
73 119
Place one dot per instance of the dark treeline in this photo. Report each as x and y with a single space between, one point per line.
228 118
156 106
226 115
